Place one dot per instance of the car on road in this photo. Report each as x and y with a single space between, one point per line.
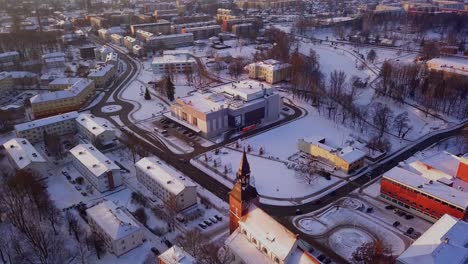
396 224
168 243
155 251
202 225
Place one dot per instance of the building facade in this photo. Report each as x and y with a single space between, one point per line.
236 106
97 130
178 61
116 226
103 75
347 159
163 183
55 125
6 83
98 169
23 156
271 71
70 99
160 27
170 41
203 32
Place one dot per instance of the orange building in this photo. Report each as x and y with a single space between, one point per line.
427 191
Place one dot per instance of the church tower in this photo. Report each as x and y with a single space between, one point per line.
241 195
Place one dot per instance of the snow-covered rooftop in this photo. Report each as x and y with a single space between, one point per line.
165 176
271 234
93 159
449 64
101 71
272 64
22 152
444 242
93 124
73 91
169 36
176 255
46 121
435 189
115 221
4 75
247 90
243 248
9 53
65 81
350 154
53 55
173 58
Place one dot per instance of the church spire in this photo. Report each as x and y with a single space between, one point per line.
243 174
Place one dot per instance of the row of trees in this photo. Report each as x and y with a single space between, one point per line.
35 231
439 91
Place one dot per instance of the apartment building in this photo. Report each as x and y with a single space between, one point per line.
142 35
101 52
265 4
9 57
177 28
106 33
129 42
98 169
160 27
203 32
6 83
224 14
112 58
54 60
70 99
55 125
177 61
116 226
61 84
238 106
138 50
97 130
347 159
116 39
165 183
227 24
23 156
271 71
176 255
170 41
103 75
24 80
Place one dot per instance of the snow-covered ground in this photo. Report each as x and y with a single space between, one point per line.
272 177
344 227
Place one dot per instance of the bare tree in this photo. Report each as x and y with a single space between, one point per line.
382 117
401 124
371 56
373 252
193 241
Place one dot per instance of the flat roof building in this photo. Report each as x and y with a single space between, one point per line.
70 99
103 76
165 183
427 191
22 155
203 32
347 159
162 26
98 169
98 130
179 61
444 242
271 71
176 255
235 106
170 41
55 125
119 230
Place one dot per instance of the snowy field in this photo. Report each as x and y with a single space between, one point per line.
270 176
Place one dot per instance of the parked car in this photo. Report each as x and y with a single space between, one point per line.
208 223
369 210
327 261
219 218
408 217
321 257
389 207
78 188
213 220
168 243
410 231
155 251
401 213
298 211
202 225
396 224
